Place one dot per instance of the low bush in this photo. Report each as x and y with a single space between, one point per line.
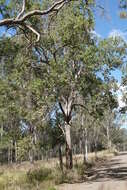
39 175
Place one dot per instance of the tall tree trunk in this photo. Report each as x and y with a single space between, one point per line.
8 154
80 146
31 151
66 107
1 132
11 152
69 160
86 151
60 158
16 152
109 144
95 146
31 156
85 144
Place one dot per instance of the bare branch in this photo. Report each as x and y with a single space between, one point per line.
60 6
22 18
22 11
61 129
39 49
34 31
62 109
54 7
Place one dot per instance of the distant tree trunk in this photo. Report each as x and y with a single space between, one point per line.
80 146
31 156
60 158
74 150
8 154
96 137
16 152
89 146
85 144
31 151
69 160
85 140
86 151
11 152
109 144
1 132
95 150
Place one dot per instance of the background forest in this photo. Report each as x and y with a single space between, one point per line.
58 97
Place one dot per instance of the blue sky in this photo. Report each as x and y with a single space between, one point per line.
110 23
111 20
1 28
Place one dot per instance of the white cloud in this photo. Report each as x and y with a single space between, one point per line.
120 93
118 33
95 34
120 101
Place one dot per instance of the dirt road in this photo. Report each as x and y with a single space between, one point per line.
111 176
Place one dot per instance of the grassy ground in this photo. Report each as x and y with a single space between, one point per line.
44 175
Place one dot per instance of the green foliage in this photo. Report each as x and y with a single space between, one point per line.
51 188
39 175
67 60
24 146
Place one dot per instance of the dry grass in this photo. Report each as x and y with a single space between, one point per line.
52 163
14 177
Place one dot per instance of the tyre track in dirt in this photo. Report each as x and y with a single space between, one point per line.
110 176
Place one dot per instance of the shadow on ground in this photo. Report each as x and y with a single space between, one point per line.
113 170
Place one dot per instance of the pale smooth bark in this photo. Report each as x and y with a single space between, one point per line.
66 106
69 160
86 147
22 18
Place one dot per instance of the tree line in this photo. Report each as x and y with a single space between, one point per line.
57 93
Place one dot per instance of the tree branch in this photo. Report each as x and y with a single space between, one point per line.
82 106
61 129
22 18
34 31
60 105
22 11
39 49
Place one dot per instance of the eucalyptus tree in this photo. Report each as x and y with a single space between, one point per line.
76 64
68 67
17 13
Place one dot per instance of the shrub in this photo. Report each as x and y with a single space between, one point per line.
81 168
39 175
51 188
